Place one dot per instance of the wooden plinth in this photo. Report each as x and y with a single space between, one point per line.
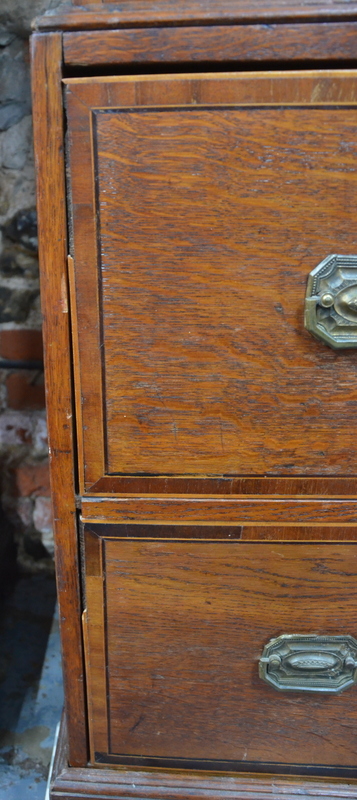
111 784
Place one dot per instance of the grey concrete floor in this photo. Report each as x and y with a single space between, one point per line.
31 695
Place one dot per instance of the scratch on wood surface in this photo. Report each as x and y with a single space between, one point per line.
137 723
317 93
64 300
221 434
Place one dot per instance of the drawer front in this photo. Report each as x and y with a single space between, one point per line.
175 630
200 206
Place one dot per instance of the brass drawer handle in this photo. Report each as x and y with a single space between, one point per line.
331 301
309 663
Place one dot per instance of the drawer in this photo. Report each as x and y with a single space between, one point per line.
175 630
200 206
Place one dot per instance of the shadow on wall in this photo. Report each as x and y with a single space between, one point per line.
31 694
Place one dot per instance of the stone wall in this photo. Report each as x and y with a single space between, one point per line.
23 442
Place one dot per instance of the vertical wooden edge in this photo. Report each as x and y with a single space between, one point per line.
76 371
103 440
88 680
95 644
86 259
60 760
93 553
46 50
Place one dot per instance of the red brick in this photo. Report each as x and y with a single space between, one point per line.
21 344
23 393
32 480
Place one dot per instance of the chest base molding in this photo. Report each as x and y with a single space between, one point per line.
119 784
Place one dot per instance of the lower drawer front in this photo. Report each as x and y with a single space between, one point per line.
175 631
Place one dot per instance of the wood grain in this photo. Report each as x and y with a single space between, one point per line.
211 368
143 12
220 510
184 364
48 135
184 592
76 373
299 533
226 532
299 487
96 643
94 784
252 43
195 691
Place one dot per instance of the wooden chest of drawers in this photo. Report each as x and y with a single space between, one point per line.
196 164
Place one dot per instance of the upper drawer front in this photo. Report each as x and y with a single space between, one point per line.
200 205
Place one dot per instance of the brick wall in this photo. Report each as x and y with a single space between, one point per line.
23 442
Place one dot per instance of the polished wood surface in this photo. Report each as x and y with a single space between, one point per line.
221 511
76 370
94 623
48 131
206 361
298 487
254 43
170 12
211 532
139 531
94 784
225 510
195 693
278 7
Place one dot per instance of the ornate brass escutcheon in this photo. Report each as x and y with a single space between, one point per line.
309 663
331 301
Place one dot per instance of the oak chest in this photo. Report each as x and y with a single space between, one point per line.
197 192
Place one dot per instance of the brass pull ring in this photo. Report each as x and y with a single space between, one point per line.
309 663
331 301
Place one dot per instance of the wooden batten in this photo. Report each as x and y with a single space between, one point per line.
48 129
214 44
140 13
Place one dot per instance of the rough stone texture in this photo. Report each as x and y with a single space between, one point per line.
42 517
19 286
15 83
23 444
17 15
23 434
23 440
16 303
